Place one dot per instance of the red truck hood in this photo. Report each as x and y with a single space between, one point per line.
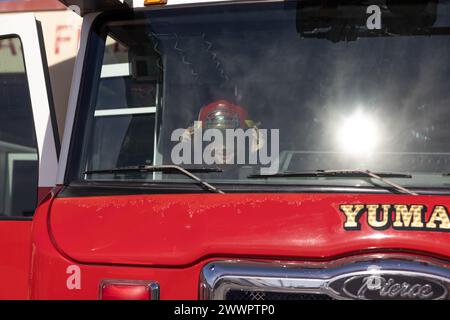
177 230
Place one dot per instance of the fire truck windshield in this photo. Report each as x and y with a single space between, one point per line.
264 88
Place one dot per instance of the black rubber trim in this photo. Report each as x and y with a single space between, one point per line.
95 189
48 85
4 218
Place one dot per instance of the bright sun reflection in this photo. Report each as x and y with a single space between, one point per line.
358 134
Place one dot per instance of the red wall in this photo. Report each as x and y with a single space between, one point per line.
30 5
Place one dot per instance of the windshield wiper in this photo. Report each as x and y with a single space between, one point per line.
343 173
166 169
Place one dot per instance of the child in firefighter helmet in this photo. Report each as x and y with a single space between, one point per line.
223 115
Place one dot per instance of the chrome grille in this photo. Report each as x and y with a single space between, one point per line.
380 277
247 295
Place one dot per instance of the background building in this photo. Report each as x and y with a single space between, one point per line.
62 30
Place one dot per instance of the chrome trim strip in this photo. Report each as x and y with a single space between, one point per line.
218 277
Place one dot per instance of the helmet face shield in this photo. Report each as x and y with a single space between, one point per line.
222 119
223 115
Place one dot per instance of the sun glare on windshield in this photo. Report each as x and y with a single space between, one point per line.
358 134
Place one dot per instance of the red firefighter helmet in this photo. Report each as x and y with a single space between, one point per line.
222 114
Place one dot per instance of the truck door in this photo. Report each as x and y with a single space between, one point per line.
28 145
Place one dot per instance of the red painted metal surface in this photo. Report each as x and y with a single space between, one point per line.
15 255
15 252
43 192
30 5
49 271
187 231
181 230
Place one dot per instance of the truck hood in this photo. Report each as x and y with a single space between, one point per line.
178 230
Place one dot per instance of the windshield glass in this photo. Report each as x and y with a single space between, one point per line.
270 87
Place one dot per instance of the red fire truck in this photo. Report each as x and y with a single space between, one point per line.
336 186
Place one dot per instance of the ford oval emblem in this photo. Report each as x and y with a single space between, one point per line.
385 285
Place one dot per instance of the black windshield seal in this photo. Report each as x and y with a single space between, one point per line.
95 189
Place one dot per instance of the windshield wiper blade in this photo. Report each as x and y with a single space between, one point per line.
330 173
343 173
166 169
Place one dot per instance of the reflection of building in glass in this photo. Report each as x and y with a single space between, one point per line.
18 150
62 31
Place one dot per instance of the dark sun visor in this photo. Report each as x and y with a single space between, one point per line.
348 20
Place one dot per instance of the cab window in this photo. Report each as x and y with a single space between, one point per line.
124 119
320 99
18 147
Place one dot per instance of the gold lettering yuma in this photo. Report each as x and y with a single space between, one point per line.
378 216
396 216
439 219
411 217
352 213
